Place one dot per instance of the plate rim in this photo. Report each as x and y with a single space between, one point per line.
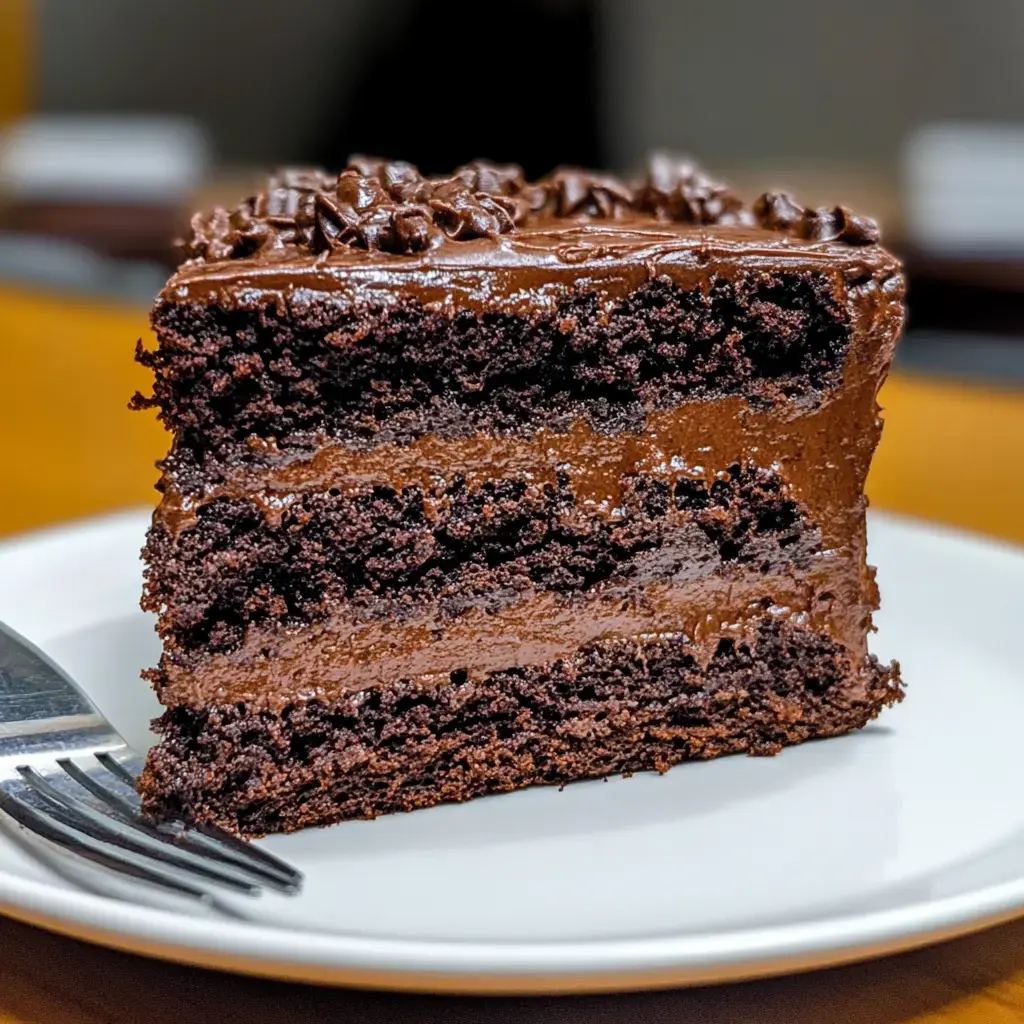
444 966
577 966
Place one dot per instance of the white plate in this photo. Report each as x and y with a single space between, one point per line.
908 831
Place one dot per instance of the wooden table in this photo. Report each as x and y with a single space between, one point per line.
49 980
70 448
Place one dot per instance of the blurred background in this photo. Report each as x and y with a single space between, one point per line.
120 117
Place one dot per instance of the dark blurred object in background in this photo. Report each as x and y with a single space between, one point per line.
963 203
461 80
310 81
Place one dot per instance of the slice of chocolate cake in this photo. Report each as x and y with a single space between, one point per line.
478 484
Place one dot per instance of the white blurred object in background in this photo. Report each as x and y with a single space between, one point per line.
963 189
103 158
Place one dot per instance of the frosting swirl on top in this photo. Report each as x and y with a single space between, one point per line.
388 205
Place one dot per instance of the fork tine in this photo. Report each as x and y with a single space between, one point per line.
117 769
241 847
176 835
113 800
70 839
213 842
102 827
216 835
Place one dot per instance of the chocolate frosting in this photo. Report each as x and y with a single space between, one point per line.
389 206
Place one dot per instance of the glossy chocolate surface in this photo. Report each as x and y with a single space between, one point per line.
528 272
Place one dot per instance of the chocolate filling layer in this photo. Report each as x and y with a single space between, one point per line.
616 706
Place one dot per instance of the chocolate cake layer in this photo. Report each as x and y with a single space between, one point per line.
615 706
396 373
349 309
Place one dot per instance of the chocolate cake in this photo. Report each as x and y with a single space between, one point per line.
478 483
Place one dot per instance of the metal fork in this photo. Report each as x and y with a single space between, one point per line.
68 777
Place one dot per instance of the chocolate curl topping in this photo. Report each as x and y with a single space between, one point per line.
389 206
778 211
572 193
495 179
677 189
